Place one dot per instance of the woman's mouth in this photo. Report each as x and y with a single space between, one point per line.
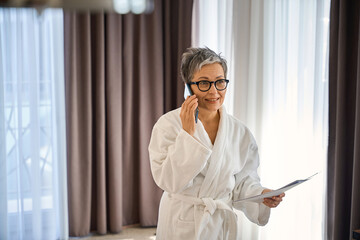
212 100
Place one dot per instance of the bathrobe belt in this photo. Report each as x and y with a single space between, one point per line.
210 206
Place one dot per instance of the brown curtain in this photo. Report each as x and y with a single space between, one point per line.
121 74
343 208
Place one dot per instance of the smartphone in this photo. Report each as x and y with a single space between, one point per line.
187 93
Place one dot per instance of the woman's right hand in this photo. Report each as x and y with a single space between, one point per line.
187 114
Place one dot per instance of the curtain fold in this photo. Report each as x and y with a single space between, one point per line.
343 209
121 76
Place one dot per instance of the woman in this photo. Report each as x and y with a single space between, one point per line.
204 165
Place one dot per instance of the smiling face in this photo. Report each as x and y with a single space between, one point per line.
211 100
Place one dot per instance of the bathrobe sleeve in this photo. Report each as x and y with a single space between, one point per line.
175 156
247 184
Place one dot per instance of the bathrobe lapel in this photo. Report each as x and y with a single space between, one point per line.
210 183
208 190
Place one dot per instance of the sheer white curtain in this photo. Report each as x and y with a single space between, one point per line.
33 196
279 52
295 113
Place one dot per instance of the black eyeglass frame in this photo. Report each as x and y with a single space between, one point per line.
210 82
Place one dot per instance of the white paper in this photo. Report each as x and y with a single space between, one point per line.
260 198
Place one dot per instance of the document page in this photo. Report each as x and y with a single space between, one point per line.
260 198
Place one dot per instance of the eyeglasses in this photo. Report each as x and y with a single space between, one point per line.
205 85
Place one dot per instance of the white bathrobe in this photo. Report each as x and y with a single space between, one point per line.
200 180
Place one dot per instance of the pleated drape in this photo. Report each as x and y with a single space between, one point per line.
121 74
343 208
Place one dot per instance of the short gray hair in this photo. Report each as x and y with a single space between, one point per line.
193 59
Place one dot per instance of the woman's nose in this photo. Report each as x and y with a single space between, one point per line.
212 88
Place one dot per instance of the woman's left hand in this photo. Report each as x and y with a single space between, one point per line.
272 202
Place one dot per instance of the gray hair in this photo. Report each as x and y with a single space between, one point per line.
195 58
